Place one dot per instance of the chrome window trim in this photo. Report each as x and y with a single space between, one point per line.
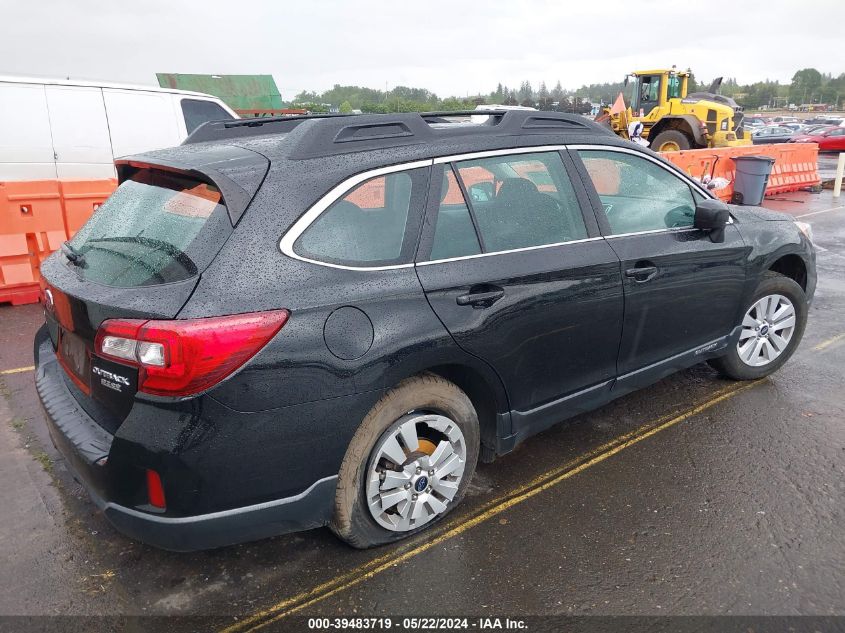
298 228
507 252
676 229
306 219
498 152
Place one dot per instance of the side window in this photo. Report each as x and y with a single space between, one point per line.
637 194
674 87
523 200
454 234
367 227
651 92
197 112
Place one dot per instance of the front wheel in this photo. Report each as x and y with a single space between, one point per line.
772 327
409 463
670 141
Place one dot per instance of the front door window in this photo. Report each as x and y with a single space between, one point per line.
650 93
638 195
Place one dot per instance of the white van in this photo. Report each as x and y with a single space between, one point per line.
73 130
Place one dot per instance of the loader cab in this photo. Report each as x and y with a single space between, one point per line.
649 93
648 90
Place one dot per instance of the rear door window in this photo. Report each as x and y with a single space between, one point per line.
520 201
454 233
158 227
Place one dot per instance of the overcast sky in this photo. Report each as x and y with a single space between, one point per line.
449 48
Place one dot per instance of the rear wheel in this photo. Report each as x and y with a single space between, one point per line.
670 141
409 463
772 327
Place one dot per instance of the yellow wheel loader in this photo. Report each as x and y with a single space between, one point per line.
673 120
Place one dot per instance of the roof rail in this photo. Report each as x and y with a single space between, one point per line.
339 133
445 113
523 119
239 128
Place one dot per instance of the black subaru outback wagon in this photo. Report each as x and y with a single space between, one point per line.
290 323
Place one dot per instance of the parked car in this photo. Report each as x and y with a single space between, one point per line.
74 130
795 127
830 139
754 122
813 129
785 119
826 119
818 120
773 134
285 324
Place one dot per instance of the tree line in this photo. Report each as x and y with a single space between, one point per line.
808 86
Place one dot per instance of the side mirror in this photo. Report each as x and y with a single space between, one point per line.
712 216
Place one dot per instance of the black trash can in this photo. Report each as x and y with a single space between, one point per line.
752 176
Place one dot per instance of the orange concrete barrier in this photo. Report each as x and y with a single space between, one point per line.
35 218
796 165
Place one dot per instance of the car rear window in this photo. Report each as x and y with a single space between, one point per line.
158 227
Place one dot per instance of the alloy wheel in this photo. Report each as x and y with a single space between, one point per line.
415 471
767 328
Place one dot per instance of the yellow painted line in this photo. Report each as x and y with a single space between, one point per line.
16 370
296 603
831 341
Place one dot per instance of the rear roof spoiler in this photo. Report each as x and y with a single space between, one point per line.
235 171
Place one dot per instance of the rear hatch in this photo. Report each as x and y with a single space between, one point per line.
140 256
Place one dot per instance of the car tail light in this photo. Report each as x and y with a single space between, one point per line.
182 357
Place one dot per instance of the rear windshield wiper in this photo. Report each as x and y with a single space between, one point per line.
75 256
173 252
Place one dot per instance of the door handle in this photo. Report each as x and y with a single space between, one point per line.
642 274
481 298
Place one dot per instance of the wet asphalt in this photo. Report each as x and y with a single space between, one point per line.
733 506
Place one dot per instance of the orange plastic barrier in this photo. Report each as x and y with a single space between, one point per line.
35 218
81 198
796 165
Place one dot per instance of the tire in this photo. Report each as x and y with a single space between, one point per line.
675 137
773 284
426 400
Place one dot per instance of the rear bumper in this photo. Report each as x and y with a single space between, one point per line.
307 510
86 447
